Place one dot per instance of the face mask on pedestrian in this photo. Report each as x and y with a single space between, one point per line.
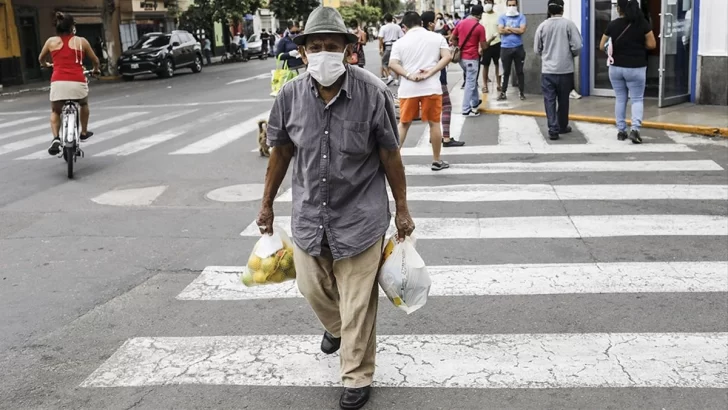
326 67
512 11
488 7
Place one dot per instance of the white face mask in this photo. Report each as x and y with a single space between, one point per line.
326 67
488 7
512 11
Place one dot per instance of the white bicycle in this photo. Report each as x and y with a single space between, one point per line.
70 133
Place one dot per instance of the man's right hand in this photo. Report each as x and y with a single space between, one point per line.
381 52
265 220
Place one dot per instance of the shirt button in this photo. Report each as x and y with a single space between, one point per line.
321 227
323 179
324 203
324 156
326 132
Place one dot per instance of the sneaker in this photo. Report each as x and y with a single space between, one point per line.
622 135
471 113
553 136
389 80
502 96
86 136
396 83
522 96
566 130
634 135
440 165
55 147
574 95
453 143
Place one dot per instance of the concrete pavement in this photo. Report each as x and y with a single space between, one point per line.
579 273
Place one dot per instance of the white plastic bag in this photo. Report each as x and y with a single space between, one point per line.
271 260
403 276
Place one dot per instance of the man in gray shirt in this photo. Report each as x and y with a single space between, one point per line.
336 125
557 41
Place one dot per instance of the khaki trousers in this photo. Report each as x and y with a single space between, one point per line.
344 295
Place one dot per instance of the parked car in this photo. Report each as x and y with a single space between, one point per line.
161 54
255 47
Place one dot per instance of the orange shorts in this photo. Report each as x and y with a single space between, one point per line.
430 106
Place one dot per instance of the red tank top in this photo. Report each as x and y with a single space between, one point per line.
67 62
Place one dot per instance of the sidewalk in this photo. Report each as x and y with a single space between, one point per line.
711 120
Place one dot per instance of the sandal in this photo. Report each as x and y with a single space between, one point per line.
485 90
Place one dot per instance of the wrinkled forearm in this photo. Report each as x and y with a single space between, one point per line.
394 170
280 158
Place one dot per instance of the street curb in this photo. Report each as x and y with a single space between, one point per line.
690 129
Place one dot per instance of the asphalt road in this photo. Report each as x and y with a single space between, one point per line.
581 273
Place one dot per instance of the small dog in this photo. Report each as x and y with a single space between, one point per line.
263 138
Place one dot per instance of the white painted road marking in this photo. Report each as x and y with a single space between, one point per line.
456 121
224 137
533 361
29 142
223 282
23 121
244 80
47 127
566 166
690 139
115 132
580 226
144 143
519 130
601 134
237 193
548 149
131 197
517 192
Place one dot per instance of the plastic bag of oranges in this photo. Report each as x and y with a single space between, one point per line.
403 275
271 260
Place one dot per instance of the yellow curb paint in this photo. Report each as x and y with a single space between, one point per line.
690 129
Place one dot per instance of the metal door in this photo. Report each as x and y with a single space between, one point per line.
675 55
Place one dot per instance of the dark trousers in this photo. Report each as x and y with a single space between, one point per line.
513 56
556 89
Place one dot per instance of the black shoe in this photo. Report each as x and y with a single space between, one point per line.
522 96
471 113
566 130
453 143
553 136
502 96
55 147
352 399
440 165
87 135
330 344
634 135
622 135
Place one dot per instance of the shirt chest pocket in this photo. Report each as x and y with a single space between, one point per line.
355 138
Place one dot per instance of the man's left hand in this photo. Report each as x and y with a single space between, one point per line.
404 223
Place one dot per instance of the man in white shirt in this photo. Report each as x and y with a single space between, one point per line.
388 34
418 58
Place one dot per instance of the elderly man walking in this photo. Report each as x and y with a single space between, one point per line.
557 41
418 58
339 120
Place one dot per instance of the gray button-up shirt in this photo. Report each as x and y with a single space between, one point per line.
338 179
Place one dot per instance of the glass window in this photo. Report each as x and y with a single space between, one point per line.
152 41
253 38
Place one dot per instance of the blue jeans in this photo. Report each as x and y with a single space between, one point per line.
471 96
630 80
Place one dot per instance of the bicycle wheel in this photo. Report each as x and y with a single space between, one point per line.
69 154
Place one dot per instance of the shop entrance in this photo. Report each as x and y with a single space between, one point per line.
668 66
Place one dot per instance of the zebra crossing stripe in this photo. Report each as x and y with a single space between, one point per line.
548 149
566 166
223 282
542 192
23 121
30 142
579 226
27 130
519 130
133 147
478 361
601 134
222 138
96 139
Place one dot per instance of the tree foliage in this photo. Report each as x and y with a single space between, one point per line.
386 6
362 14
199 15
410 5
295 10
233 10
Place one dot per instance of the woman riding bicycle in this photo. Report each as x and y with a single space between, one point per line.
68 81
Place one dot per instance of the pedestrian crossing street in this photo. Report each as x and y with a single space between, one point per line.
679 198
193 131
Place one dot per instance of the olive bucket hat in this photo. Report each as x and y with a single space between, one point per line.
325 20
